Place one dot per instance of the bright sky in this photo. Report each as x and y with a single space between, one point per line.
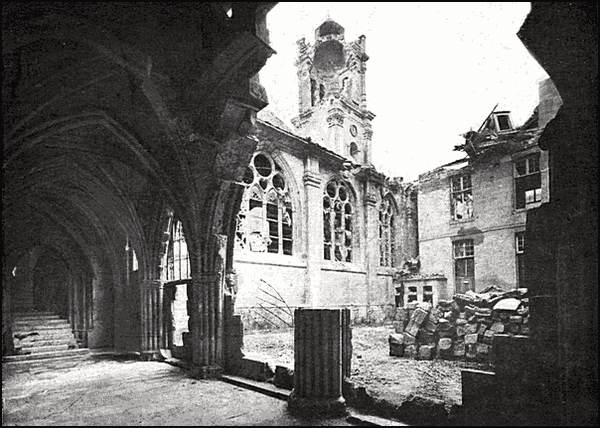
435 71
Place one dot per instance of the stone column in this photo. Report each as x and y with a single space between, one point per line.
151 316
318 363
205 309
313 221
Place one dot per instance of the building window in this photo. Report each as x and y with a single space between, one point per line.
321 92
528 181
313 92
520 254
264 223
412 295
462 197
337 222
354 152
464 265
386 233
178 259
428 293
503 122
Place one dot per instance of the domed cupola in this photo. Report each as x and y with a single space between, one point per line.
329 27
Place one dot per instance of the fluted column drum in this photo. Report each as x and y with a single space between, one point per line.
318 362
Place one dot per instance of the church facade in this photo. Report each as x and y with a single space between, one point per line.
318 225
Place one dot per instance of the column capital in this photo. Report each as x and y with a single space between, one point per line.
311 179
370 200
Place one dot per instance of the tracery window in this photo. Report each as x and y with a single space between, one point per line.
178 259
386 233
264 223
337 222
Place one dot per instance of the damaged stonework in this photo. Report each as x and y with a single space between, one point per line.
473 210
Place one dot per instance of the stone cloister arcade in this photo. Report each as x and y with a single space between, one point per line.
116 114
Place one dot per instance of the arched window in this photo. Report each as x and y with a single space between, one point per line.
313 92
321 92
387 233
265 218
337 222
354 152
178 260
347 87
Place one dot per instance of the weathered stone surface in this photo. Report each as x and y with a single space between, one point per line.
410 351
482 329
417 318
419 410
426 338
483 312
471 338
497 327
461 330
396 339
459 349
400 314
398 326
472 328
444 344
513 328
517 319
483 348
471 351
429 325
426 352
409 339
284 377
256 367
396 350
488 336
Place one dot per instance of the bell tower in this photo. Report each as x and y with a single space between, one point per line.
332 98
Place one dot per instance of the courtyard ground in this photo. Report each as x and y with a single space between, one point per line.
126 392
389 378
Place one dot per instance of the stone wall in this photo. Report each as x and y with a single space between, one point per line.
492 227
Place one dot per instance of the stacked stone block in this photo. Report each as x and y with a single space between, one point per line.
462 328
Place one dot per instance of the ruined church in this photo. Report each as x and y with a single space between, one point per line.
319 225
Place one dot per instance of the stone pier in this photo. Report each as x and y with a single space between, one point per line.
319 361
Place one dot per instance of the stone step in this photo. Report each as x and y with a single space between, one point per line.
49 335
44 349
46 355
44 343
32 313
40 318
56 321
25 328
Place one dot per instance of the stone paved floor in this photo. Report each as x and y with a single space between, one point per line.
104 391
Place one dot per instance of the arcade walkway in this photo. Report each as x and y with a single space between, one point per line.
100 391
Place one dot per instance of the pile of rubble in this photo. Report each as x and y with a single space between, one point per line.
462 328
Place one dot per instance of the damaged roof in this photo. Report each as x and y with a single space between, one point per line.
489 138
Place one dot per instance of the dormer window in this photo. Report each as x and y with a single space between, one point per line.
503 122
